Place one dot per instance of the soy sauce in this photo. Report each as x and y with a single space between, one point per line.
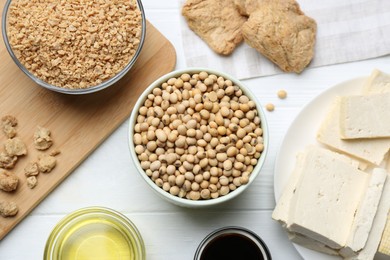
231 247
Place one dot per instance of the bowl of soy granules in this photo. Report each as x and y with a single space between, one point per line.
198 137
74 47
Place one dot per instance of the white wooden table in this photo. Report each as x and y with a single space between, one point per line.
108 177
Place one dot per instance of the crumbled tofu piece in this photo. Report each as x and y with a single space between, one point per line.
6 161
32 181
31 169
8 209
46 163
15 146
8 124
42 138
8 181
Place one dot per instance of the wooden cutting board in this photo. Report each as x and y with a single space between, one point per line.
78 123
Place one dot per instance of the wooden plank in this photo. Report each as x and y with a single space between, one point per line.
78 123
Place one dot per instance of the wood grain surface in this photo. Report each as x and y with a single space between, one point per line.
78 123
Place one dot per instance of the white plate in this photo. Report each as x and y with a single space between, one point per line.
301 133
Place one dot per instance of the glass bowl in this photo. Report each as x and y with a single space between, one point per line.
95 233
92 89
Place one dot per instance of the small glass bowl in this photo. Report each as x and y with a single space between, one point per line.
101 86
234 243
95 232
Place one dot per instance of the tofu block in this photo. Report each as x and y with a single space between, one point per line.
365 116
378 82
374 238
326 197
311 244
287 199
370 150
384 246
365 214
282 208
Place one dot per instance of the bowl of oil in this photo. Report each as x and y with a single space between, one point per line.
95 233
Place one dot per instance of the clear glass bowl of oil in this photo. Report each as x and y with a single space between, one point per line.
95 233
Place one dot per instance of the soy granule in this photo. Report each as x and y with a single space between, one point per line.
74 44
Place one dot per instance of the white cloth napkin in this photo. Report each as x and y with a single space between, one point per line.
348 30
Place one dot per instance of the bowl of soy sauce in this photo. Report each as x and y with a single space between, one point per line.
230 243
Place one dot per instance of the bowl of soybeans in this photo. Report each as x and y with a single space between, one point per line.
198 137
